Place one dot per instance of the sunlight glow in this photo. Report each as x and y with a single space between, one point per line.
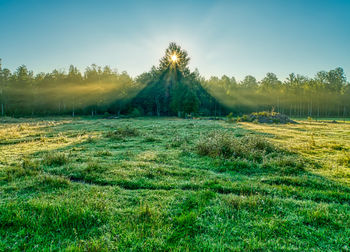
174 57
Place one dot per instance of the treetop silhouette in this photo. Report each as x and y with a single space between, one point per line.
172 89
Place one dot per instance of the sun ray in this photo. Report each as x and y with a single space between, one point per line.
174 57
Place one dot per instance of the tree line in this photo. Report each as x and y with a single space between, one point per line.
98 90
169 89
327 94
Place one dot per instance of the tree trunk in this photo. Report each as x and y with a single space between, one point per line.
157 106
311 109
290 111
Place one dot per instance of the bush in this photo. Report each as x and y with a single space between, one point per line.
106 114
230 118
136 112
245 118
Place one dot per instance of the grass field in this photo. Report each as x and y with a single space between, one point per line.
173 184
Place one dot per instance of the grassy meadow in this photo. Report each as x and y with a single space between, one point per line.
151 184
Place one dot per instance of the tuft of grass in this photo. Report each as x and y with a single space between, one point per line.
104 153
338 147
251 203
287 164
13 172
28 164
178 141
185 226
91 140
27 168
51 181
94 166
344 159
123 132
318 217
224 144
145 213
55 159
150 139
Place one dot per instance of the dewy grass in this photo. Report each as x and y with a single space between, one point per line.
120 133
55 159
173 184
224 144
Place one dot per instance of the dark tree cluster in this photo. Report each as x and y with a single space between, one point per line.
172 89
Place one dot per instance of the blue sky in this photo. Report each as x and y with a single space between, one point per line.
235 38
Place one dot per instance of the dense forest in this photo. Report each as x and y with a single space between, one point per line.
169 89
327 94
97 90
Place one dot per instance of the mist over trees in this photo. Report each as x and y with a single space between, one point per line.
96 91
327 94
169 89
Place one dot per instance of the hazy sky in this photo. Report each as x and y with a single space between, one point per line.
235 38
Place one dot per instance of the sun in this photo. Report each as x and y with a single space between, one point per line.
174 57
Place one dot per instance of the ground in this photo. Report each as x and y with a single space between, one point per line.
173 184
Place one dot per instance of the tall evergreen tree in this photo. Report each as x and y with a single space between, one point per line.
171 88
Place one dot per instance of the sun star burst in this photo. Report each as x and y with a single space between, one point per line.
174 57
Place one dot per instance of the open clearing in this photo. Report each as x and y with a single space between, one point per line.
173 184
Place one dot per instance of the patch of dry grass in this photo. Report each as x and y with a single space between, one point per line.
323 142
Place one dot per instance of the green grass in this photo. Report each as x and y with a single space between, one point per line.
172 184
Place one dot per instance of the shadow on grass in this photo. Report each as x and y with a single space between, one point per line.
258 168
58 201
